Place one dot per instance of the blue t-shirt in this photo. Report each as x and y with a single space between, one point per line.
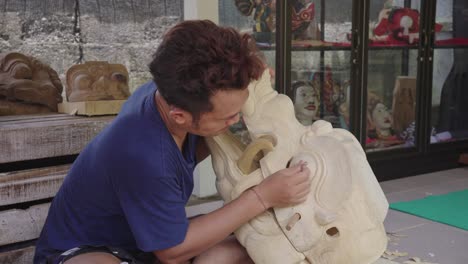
128 188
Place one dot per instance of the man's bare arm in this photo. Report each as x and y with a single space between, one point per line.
284 188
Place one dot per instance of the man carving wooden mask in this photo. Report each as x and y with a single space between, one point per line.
341 221
97 80
27 86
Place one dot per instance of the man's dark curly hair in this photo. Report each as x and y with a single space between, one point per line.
197 58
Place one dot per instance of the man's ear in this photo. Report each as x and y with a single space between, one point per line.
180 116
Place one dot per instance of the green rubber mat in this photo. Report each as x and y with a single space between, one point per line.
450 208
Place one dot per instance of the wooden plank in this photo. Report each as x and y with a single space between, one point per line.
35 140
22 225
31 117
92 108
36 120
18 256
30 185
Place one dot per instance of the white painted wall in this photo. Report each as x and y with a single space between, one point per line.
201 9
204 176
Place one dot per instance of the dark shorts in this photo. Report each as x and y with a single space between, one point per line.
126 256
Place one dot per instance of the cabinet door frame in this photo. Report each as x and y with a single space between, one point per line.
392 163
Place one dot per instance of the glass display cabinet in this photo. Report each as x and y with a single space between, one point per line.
394 73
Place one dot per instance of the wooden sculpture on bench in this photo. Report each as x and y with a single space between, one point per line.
342 220
27 86
96 88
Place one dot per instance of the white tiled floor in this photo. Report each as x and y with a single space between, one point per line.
430 241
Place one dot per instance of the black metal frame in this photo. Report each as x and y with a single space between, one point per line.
392 163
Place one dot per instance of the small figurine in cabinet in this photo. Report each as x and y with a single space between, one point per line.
398 25
264 17
304 26
306 102
404 103
379 123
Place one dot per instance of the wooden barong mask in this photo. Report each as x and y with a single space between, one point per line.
342 218
27 85
97 80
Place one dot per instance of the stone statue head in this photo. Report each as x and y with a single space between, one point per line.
97 80
27 85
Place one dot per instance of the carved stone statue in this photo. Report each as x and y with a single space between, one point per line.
27 86
97 80
341 221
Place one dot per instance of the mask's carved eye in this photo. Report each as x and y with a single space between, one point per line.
21 71
333 232
119 77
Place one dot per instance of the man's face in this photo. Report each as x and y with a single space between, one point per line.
227 105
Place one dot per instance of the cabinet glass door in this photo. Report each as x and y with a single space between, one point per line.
257 18
320 60
449 115
394 30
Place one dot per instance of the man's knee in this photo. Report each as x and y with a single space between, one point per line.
229 251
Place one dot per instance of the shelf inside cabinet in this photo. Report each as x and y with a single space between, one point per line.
264 47
320 48
392 47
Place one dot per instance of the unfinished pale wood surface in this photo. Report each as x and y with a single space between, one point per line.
341 221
